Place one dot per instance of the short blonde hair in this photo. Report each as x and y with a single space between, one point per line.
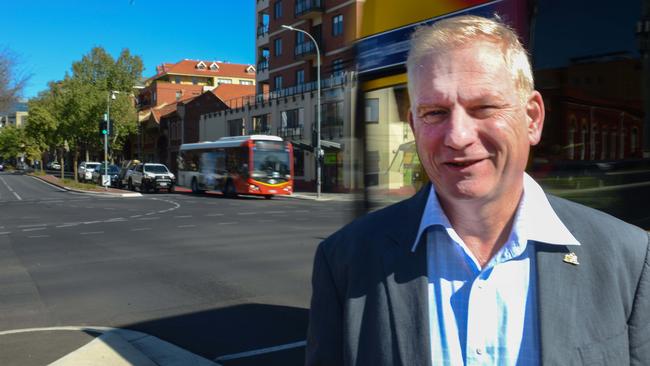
467 29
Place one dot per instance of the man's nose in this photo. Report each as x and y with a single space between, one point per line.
461 130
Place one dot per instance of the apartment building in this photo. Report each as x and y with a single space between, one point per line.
285 102
173 85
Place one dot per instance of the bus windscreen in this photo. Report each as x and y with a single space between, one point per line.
271 163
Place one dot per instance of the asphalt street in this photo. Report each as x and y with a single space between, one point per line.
226 279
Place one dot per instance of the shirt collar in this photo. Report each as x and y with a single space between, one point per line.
535 220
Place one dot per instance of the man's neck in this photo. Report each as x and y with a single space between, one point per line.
484 227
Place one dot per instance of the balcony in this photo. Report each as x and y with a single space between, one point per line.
308 9
291 133
262 69
262 34
305 50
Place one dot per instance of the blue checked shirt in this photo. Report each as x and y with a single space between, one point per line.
488 316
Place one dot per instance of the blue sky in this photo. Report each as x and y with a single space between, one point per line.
48 36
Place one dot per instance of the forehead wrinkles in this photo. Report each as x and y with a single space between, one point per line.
467 73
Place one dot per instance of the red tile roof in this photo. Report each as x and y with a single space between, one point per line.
189 67
162 110
227 92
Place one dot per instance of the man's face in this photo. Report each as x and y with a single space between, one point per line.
472 129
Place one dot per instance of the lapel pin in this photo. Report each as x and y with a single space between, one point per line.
571 258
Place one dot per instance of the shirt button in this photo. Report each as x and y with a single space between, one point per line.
479 351
480 284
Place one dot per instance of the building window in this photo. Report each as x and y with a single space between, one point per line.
300 77
236 127
277 49
372 168
372 110
278 82
337 25
177 79
337 67
195 80
246 82
277 10
223 81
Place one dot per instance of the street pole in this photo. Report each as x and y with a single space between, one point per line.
108 128
319 151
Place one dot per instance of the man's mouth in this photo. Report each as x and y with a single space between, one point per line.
463 163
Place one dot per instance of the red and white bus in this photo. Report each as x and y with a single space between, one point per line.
256 164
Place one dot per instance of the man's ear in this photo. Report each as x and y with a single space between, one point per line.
535 117
410 118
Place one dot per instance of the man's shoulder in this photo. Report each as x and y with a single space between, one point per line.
594 227
391 222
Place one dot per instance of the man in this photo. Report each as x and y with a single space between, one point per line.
480 267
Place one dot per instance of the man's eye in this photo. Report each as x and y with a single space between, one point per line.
432 116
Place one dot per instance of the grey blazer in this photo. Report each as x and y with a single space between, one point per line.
369 303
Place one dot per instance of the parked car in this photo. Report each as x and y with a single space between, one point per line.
151 176
85 170
125 172
53 165
113 171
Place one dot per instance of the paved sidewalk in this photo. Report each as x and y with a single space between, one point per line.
93 346
347 197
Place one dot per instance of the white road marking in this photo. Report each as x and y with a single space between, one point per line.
182 216
183 226
38 236
134 216
301 211
115 219
69 224
141 229
149 218
214 214
261 351
246 213
91 222
109 208
5 232
11 189
91 233
35 229
267 220
227 223
275 212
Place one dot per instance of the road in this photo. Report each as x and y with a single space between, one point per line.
218 277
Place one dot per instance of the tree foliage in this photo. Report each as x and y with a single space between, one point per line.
68 112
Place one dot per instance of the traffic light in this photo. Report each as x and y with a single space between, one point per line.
103 128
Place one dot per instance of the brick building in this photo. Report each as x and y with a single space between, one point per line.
174 85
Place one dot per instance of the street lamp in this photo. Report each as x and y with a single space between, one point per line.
110 96
319 152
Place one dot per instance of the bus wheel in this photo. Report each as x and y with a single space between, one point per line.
195 186
131 187
268 196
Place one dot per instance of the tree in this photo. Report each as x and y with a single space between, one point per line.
11 84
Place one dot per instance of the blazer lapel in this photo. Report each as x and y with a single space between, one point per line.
557 295
406 283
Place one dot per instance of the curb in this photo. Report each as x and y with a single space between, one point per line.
122 347
92 193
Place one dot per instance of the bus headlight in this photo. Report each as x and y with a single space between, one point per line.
253 188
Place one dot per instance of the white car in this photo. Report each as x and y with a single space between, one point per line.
85 171
150 176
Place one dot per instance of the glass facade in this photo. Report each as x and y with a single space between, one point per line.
592 75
